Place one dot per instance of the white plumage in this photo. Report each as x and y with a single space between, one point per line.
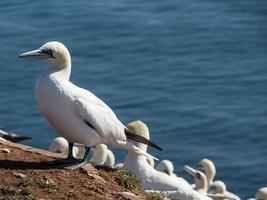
153 180
209 169
261 194
76 114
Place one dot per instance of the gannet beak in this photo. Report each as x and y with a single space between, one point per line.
36 54
190 170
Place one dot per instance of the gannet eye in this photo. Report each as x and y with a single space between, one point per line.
48 52
198 175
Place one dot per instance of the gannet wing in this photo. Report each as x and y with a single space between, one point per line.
100 119
92 99
131 135
94 102
128 146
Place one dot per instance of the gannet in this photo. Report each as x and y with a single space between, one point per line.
201 185
61 145
110 160
75 113
209 169
12 136
101 154
166 166
217 187
153 180
149 160
261 194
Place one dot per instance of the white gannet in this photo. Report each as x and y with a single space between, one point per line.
110 160
149 160
61 145
217 187
75 113
217 192
209 169
101 154
153 180
166 166
12 136
261 194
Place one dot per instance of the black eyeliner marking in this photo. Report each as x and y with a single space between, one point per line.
48 52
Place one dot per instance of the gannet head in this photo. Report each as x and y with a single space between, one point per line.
199 179
139 128
217 187
261 194
207 166
59 145
165 166
56 54
99 154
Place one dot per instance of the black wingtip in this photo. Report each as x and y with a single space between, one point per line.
15 138
131 135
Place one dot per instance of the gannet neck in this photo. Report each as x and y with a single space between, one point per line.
63 69
61 60
201 184
200 180
150 161
209 169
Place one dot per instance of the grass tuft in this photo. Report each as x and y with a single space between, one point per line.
128 181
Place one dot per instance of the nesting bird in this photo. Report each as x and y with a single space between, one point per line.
209 169
75 113
153 180
261 194
215 191
101 154
167 167
61 145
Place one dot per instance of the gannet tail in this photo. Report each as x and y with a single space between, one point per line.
131 135
128 146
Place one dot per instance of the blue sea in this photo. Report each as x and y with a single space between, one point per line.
194 71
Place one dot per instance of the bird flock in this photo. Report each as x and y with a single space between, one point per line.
85 123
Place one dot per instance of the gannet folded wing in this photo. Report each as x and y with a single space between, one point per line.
100 119
104 123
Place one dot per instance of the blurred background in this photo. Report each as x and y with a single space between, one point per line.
194 71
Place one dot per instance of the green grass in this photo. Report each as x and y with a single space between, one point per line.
128 181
